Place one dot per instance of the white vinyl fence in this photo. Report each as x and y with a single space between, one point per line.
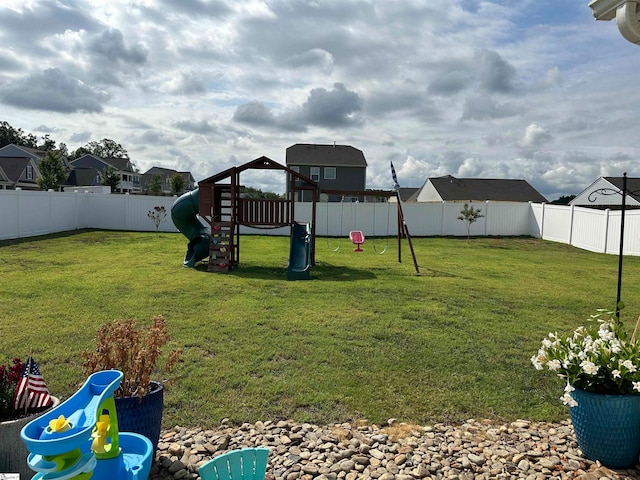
26 213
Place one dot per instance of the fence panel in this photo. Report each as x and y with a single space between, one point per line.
557 223
590 229
26 213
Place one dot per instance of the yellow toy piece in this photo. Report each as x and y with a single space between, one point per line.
59 424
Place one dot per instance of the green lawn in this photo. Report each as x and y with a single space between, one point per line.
364 338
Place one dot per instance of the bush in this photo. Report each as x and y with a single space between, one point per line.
135 351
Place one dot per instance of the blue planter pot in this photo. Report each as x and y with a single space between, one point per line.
142 415
607 427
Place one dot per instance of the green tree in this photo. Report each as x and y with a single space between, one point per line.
469 215
563 200
52 171
155 185
110 177
47 143
177 183
105 148
9 134
252 192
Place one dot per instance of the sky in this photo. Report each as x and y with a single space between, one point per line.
520 89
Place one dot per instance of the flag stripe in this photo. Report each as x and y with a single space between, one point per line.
31 391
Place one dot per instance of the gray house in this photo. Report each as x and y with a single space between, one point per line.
19 167
129 178
165 179
333 167
452 189
18 172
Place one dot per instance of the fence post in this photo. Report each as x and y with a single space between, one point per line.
18 226
606 229
486 216
570 226
543 205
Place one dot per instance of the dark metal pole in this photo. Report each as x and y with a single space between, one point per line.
620 254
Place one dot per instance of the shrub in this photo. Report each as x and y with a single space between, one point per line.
132 349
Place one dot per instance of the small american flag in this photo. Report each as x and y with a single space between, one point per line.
396 185
32 391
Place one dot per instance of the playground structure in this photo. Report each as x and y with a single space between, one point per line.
79 438
211 216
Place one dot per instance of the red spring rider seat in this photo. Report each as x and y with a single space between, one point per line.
357 237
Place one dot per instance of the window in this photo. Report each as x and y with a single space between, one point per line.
329 173
315 173
29 172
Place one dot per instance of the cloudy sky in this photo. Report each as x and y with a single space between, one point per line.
528 89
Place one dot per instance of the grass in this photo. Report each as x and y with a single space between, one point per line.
365 338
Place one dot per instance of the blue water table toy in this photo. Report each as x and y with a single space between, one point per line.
79 438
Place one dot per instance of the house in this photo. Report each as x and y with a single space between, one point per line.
333 167
18 151
451 189
18 172
129 178
606 192
165 179
82 177
19 167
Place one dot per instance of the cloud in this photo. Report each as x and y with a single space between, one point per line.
202 127
53 90
313 58
331 108
450 83
80 137
109 46
495 74
187 83
325 108
254 113
485 108
534 136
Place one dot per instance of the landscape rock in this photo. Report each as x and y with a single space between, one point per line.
475 449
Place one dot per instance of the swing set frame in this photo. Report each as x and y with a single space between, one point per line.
403 230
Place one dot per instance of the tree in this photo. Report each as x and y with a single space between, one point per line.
110 177
158 215
155 185
48 143
252 192
105 148
177 183
469 215
52 171
9 134
563 200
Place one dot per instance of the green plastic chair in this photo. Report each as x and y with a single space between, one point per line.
243 464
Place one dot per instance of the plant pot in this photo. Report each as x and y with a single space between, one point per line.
13 451
607 427
142 415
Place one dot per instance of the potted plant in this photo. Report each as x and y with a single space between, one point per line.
600 365
18 410
135 350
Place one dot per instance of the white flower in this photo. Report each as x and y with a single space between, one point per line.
615 373
628 364
636 386
569 388
589 367
546 343
537 361
554 364
567 399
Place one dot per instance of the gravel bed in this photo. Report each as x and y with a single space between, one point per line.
475 449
